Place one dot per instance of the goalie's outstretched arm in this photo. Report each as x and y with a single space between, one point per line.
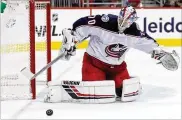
145 43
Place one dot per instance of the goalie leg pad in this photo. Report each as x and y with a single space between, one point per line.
131 89
81 92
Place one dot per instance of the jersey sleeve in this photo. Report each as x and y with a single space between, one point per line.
144 42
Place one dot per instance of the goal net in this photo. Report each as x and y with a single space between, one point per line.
20 47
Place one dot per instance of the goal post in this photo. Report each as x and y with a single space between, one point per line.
32 45
39 5
20 47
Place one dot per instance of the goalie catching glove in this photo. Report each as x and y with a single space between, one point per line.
68 47
169 60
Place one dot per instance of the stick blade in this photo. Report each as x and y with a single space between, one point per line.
27 73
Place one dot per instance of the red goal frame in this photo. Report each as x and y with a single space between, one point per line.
32 40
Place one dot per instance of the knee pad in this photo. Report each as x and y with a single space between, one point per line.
131 89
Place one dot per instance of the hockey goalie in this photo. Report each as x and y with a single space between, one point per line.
104 71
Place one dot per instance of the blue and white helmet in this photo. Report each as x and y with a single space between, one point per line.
126 17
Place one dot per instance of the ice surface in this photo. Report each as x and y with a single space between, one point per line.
161 97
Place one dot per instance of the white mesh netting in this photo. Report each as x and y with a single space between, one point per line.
15 48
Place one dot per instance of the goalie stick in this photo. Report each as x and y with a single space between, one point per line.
26 71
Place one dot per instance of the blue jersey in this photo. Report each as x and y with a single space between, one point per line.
106 43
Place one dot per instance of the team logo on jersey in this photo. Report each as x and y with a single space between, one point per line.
105 18
115 50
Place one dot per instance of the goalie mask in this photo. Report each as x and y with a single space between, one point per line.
126 17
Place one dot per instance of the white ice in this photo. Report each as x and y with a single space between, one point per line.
161 97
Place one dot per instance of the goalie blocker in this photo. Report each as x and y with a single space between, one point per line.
91 92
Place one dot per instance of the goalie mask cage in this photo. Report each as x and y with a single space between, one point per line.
22 46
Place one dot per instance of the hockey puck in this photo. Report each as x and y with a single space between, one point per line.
49 112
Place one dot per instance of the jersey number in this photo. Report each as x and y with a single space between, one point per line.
91 20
